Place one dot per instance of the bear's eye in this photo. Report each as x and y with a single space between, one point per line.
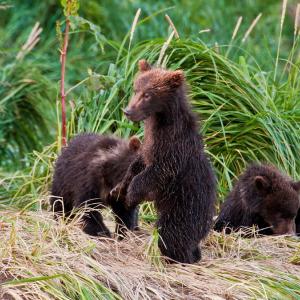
147 96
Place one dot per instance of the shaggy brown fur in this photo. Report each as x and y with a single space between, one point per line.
263 197
172 169
298 223
88 168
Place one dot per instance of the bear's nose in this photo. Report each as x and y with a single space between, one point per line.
127 112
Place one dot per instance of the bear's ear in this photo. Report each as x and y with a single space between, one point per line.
144 65
175 78
261 183
296 186
134 143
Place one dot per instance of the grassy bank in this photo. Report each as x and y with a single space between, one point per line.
42 259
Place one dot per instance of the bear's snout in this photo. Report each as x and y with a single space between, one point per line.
285 227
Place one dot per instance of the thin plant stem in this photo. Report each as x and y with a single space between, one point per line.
284 4
172 26
251 28
63 58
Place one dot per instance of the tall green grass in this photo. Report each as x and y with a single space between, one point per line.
242 121
25 95
85 52
245 115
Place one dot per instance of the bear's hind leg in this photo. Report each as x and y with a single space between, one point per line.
176 253
196 254
94 225
176 247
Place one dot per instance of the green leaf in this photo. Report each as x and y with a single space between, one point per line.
83 24
71 7
97 82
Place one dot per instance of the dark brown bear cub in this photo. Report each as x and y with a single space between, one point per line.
263 197
86 171
172 169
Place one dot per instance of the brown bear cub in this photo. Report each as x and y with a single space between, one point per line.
172 169
86 171
262 197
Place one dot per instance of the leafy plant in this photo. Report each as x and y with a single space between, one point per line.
70 9
25 95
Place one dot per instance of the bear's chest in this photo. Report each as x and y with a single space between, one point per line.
148 150
155 142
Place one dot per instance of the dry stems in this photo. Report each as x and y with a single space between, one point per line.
42 259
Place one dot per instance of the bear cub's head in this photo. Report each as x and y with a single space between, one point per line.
127 153
134 144
278 200
153 89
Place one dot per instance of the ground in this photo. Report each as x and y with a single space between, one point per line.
42 259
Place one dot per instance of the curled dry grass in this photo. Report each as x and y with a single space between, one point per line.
43 259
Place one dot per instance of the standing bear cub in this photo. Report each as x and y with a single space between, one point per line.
262 197
86 171
172 169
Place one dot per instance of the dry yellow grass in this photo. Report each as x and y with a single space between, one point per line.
43 259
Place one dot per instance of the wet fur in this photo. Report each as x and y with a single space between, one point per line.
88 168
172 170
263 197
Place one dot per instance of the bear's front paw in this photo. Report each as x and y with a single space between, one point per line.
117 191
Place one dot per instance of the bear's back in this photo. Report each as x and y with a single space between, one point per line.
74 168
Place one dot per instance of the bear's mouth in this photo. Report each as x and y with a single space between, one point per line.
284 227
137 117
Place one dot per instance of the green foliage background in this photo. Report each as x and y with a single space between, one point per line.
249 106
